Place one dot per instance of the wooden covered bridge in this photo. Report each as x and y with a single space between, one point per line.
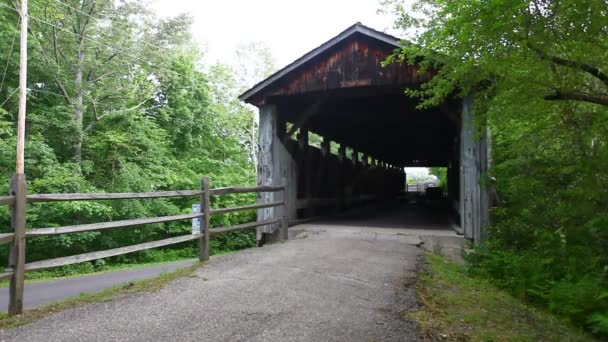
342 92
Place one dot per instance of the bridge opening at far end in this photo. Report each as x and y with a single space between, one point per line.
337 129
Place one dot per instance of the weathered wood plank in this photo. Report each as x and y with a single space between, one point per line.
109 225
17 256
6 275
244 189
282 212
221 230
266 171
75 259
6 237
205 202
7 200
245 207
35 198
109 196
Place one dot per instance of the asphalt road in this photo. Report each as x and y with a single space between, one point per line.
37 294
346 279
328 283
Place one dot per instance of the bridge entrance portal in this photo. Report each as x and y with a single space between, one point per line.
337 129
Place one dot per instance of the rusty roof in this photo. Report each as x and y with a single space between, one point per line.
357 28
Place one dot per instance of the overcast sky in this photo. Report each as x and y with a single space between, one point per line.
289 28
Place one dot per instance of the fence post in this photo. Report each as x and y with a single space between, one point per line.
284 212
17 255
203 242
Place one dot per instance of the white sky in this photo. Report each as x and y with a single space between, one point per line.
289 28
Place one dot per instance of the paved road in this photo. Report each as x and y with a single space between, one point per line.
37 294
350 279
330 283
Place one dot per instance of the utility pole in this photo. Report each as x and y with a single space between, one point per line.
18 186
22 89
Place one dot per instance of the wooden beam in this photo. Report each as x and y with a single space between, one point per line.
7 200
342 153
283 212
325 144
109 225
245 207
242 226
6 276
266 170
244 189
303 139
35 198
75 259
17 254
109 196
205 202
303 118
6 237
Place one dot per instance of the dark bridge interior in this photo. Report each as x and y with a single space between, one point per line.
382 122
342 92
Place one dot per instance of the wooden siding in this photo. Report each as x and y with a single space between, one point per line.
356 62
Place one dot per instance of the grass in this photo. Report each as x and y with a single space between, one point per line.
147 285
457 307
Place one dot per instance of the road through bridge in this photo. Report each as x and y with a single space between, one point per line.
349 278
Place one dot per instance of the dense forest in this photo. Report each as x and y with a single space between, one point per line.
538 70
119 101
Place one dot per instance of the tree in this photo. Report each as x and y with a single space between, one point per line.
96 54
480 46
537 71
119 102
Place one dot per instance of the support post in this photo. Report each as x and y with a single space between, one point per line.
17 255
303 139
342 153
203 241
474 206
284 235
325 147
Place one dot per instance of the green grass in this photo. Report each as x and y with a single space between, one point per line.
457 307
147 285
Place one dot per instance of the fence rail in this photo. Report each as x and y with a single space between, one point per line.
18 267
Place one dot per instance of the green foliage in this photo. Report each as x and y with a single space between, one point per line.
147 116
536 71
459 307
442 175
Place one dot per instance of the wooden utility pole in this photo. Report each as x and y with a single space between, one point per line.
22 89
18 185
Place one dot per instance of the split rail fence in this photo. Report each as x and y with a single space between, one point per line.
18 199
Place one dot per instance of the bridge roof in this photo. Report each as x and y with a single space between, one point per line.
349 33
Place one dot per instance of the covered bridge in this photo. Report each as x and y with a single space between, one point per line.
370 131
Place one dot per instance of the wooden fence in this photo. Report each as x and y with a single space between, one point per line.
18 200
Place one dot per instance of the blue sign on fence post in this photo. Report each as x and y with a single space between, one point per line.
196 222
